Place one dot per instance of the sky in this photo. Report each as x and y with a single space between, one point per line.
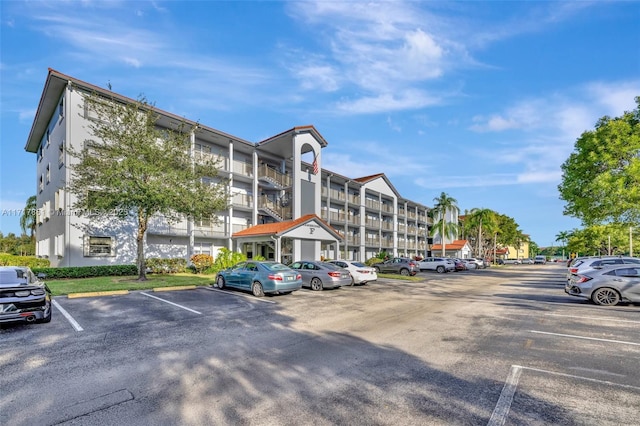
481 100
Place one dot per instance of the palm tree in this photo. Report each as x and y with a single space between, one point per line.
443 204
479 219
563 237
28 218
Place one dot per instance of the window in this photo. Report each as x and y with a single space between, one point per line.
59 199
61 108
48 174
99 246
48 140
41 183
61 154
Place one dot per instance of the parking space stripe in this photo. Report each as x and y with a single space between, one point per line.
599 319
588 379
239 295
171 303
501 411
622 342
68 316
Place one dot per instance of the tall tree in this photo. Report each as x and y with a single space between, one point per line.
446 229
28 217
601 178
133 167
481 220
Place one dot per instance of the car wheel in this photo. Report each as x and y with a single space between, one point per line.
377 269
256 289
440 269
353 281
605 296
404 272
316 284
220 282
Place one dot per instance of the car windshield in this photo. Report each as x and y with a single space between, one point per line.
12 276
331 266
276 266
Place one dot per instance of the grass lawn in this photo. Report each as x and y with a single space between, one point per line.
415 278
82 285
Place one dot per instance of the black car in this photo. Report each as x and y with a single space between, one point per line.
23 297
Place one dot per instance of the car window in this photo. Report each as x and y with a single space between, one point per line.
340 264
238 266
631 260
275 266
359 265
628 272
251 267
295 265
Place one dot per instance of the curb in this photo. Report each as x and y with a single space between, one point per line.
184 287
97 293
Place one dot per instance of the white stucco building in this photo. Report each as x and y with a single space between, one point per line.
271 182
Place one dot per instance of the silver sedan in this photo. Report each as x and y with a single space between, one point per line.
319 275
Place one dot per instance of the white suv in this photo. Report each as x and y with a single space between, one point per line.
438 264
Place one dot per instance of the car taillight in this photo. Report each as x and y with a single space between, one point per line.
298 277
583 279
275 277
364 271
335 274
573 270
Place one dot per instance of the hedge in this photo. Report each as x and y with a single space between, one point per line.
7 259
166 266
88 271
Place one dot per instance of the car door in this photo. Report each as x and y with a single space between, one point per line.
246 274
233 276
628 280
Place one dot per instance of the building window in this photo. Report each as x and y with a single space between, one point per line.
48 173
61 108
41 183
99 246
48 140
61 154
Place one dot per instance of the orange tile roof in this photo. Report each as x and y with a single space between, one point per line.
455 245
368 178
280 227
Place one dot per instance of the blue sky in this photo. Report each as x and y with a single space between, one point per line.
481 100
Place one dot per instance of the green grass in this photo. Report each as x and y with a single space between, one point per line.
82 285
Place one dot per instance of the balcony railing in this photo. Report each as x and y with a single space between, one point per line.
387 226
372 204
372 223
337 195
243 168
242 200
270 174
353 198
387 208
353 240
337 217
275 209
412 215
402 212
372 241
220 161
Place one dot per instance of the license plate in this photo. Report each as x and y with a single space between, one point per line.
290 278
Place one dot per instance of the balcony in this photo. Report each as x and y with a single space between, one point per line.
337 217
402 213
242 201
353 219
274 177
243 168
387 208
372 242
334 194
275 209
221 162
372 204
353 198
372 223
353 240
387 226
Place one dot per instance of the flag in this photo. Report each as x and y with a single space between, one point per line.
315 165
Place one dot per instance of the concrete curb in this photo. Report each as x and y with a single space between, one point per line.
184 287
97 293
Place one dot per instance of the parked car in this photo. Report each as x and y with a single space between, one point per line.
540 260
398 265
607 286
260 277
438 264
470 263
320 275
480 264
23 296
360 273
527 261
459 264
588 263
484 262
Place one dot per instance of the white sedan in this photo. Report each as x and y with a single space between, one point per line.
360 273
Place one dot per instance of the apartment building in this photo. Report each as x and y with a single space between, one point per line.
281 203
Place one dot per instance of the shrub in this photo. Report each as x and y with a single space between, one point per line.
166 266
7 259
201 262
373 261
88 271
227 258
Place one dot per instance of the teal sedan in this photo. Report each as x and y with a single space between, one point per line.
260 277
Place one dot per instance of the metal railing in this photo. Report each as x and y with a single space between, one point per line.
272 175
242 200
243 168
275 209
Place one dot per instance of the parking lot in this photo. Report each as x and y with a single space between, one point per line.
493 346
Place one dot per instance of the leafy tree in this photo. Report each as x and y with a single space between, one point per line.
483 221
133 167
446 229
601 178
28 217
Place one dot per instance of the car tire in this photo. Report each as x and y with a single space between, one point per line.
377 269
316 284
605 296
353 281
404 272
256 289
220 282
440 269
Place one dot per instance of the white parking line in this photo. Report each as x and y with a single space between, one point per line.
622 342
171 303
68 316
246 296
501 411
588 379
599 319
